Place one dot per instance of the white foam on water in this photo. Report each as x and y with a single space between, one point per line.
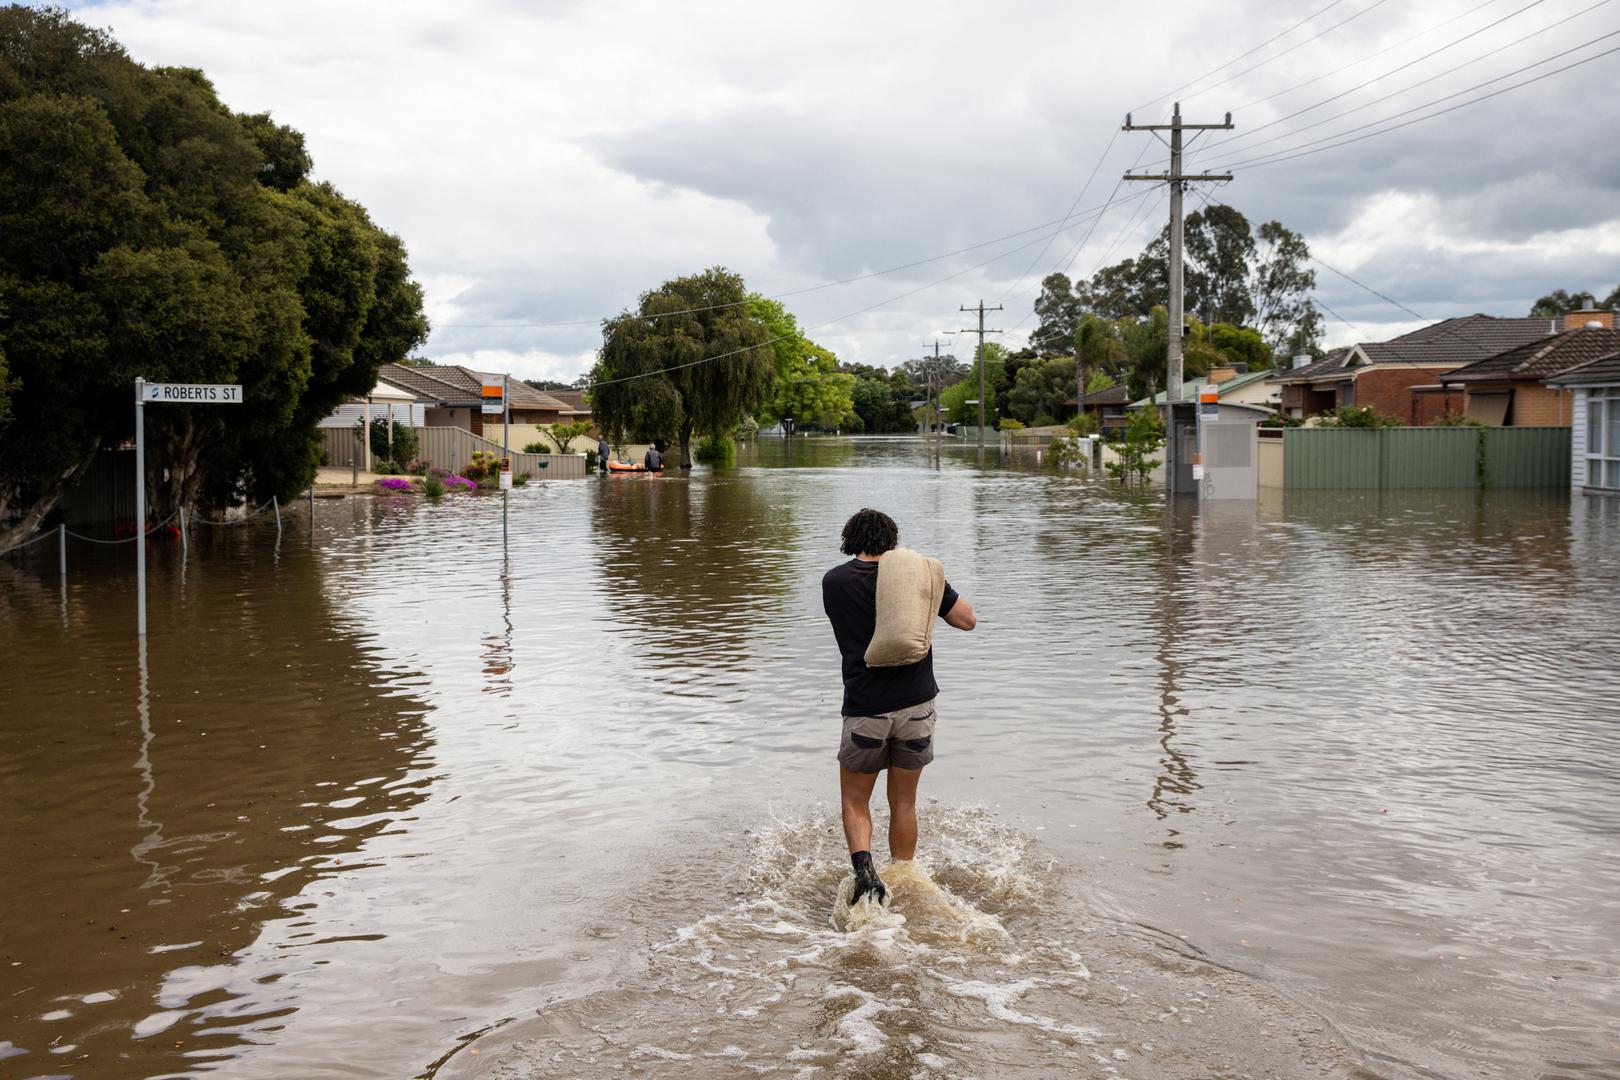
970 968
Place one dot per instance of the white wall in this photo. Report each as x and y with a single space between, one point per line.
1577 442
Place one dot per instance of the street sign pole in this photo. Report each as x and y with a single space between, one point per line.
140 507
184 393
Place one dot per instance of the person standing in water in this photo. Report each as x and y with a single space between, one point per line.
888 711
653 461
603 452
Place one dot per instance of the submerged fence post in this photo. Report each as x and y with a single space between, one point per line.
277 504
185 547
61 551
312 511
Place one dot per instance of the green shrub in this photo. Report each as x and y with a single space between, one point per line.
1452 419
1357 416
715 450
406 443
1009 424
432 485
536 448
1084 424
519 479
1278 420
590 460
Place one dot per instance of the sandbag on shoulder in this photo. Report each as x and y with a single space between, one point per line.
910 588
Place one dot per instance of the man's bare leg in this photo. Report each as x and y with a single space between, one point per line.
902 813
855 789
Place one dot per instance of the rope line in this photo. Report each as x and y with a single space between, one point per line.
127 539
18 547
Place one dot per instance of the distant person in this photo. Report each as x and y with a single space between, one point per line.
888 711
654 460
603 453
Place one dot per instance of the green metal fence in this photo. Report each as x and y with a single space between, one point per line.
1527 457
1414 458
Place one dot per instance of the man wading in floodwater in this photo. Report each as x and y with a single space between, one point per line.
888 711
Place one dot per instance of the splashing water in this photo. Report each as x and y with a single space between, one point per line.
973 968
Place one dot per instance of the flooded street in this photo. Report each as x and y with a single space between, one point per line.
1329 788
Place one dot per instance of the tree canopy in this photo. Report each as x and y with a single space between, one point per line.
145 230
691 358
809 389
1234 274
1562 302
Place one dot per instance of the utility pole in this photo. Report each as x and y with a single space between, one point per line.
1177 181
933 395
981 331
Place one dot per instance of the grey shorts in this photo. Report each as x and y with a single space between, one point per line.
903 739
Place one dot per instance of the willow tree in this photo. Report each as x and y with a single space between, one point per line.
690 360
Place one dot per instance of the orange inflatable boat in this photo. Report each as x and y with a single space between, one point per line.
630 467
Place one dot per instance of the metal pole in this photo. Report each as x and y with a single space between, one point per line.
506 433
61 551
140 508
312 510
367 440
275 502
185 546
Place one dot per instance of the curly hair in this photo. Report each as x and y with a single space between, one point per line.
869 532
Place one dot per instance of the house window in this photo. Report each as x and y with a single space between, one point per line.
1603 437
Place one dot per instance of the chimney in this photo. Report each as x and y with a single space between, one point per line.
1301 359
1219 375
1588 319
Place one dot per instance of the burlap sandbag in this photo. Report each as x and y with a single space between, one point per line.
909 590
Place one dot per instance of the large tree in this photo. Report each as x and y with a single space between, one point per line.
808 388
689 360
1219 247
145 230
1281 282
1058 309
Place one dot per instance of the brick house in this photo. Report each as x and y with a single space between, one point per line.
1402 376
1510 389
1595 435
454 397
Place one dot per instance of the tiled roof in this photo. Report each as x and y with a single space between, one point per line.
1451 341
1542 359
1118 394
452 386
1333 362
1604 371
573 400
460 387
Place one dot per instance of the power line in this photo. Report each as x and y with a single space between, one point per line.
840 318
1290 153
1291 48
1377 78
1370 56
1064 223
1019 281
1236 59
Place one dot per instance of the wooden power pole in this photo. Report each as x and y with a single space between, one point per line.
981 331
1178 182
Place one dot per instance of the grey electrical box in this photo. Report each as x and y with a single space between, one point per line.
1229 459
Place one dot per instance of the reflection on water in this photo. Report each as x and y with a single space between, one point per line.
494 786
166 802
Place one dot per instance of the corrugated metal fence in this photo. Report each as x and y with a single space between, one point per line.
1405 458
452 448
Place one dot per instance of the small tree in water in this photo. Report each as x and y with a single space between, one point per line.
1144 434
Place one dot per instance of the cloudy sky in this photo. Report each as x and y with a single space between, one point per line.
545 163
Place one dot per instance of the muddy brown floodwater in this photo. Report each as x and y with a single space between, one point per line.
1327 787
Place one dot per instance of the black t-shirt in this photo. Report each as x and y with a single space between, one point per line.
849 595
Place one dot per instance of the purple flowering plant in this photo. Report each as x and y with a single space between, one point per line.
394 484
